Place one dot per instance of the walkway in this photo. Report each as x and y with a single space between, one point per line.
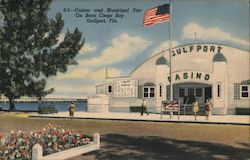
215 119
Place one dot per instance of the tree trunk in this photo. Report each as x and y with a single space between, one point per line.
12 104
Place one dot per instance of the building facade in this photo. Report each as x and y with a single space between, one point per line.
199 71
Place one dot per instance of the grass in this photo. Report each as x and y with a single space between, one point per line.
145 140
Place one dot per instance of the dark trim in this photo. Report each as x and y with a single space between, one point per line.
246 82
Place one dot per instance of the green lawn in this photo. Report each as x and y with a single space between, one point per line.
121 140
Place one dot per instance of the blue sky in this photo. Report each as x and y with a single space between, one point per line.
124 45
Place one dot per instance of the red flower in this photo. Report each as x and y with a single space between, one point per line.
66 131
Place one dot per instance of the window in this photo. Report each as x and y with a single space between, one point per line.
145 92
149 92
152 92
181 92
109 89
198 92
160 91
218 90
244 91
190 91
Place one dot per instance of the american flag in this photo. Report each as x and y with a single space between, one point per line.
157 14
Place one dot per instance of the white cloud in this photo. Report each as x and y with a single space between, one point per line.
100 74
87 48
88 74
73 74
122 47
214 33
66 91
164 46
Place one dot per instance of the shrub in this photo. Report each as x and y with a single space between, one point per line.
135 108
242 111
47 109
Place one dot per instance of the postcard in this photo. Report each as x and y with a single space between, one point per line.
64 62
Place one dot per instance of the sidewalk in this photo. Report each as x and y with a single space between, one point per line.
215 119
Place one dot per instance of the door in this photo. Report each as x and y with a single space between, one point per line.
208 93
191 96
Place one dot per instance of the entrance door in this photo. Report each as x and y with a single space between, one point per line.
208 93
191 95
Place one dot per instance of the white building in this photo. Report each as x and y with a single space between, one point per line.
200 71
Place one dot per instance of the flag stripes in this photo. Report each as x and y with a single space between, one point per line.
151 17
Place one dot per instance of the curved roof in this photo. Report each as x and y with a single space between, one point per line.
149 84
162 61
167 50
246 82
219 57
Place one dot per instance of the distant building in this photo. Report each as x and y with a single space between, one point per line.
200 71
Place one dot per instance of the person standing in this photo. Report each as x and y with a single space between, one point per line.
71 109
144 107
195 108
211 106
207 109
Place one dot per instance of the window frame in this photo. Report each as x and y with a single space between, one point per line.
149 92
218 90
160 90
183 92
201 95
110 89
248 91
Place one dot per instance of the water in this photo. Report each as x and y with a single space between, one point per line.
61 107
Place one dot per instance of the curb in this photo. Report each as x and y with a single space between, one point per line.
145 120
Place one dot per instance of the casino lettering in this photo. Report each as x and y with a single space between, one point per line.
190 75
196 48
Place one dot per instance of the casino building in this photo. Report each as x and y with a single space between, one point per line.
199 71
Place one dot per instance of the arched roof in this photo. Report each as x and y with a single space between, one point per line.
167 50
246 82
219 57
162 61
149 84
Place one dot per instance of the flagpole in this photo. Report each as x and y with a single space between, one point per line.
106 76
170 53
170 57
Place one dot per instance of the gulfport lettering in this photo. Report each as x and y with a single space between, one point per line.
196 49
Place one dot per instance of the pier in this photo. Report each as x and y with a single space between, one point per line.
44 100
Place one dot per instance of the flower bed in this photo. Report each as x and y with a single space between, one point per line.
18 145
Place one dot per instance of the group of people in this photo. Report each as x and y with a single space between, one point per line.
208 108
